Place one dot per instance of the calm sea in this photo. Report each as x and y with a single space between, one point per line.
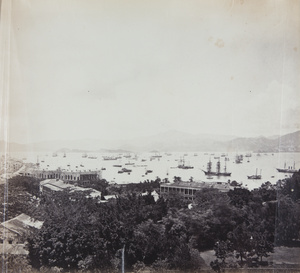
166 165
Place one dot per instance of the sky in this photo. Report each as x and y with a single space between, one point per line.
120 69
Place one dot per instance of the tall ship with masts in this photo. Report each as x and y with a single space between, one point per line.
218 171
184 166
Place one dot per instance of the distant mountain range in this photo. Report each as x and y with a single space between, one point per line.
171 141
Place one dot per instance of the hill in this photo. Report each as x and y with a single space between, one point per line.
170 141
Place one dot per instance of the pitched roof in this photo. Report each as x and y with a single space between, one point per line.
21 224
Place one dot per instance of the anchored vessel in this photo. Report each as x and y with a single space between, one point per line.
255 176
218 172
124 170
184 166
110 157
239 159
290 169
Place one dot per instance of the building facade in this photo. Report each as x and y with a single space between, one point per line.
65 175
189 189
50 187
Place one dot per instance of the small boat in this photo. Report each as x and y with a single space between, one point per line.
65 155
92 157
158 156
84 155
118 166
124 170
129 163
110 157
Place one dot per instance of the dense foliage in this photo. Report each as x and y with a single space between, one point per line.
81 233
19 195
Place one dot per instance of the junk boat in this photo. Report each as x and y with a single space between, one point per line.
255 176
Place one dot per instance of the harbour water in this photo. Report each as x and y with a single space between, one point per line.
165 165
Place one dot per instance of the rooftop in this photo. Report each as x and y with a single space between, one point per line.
198 185
21 224
59 185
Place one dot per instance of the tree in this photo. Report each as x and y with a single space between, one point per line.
291 187
261 246
287 221
147 243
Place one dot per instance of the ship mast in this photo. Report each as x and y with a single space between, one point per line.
218 166
209 166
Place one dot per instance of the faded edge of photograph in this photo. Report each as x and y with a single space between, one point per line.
150 136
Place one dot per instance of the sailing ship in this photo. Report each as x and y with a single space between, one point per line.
209 172
183 166
290 169
255 176
65 155
239 159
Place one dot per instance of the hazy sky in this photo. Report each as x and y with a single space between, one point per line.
126 68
